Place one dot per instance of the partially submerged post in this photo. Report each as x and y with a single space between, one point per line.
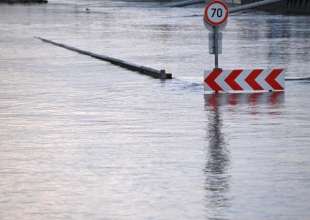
216 47
158 74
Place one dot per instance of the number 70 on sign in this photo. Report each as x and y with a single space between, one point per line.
216 13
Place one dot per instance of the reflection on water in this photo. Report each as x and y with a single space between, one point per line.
280 41
251 99
216 170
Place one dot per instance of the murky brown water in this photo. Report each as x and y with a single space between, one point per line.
82 139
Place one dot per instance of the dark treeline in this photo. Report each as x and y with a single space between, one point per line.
22 1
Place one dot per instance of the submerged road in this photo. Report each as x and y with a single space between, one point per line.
84 139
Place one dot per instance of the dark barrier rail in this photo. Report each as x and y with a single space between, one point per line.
186 3
158 74
281 6
298 6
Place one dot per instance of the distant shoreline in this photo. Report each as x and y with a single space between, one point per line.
23 1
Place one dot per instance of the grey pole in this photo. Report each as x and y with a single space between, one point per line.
216 47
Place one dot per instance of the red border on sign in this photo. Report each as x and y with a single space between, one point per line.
206 18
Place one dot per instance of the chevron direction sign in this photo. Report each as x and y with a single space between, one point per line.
241 80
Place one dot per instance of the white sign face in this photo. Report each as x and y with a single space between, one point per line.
216 13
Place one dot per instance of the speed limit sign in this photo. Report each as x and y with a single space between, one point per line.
215 19
216 14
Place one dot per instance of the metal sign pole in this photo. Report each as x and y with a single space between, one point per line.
216 47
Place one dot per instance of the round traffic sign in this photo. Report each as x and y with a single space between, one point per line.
216 13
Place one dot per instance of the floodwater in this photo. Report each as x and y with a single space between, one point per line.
83 139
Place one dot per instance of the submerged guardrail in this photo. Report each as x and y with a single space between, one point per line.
158 74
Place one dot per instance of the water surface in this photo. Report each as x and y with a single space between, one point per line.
82 139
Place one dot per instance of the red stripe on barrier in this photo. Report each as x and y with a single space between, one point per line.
231 79
252 77
271 79
210 80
